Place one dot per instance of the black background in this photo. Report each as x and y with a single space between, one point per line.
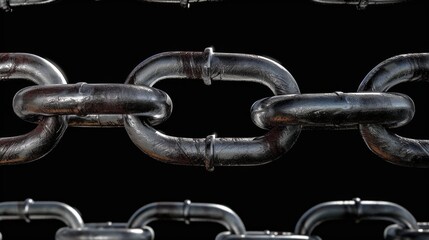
107 178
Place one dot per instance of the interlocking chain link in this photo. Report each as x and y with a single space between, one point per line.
394 148
45 136
396 232
80 101
355 210
138 107
8 4
405 227
30 210
188 212
105 231
361 4
136 228
51 103
213 151
284 110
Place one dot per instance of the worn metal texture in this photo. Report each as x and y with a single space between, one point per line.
8 4
95 103
333 110
41 140
361 4
389 146
212 151
264 235
355 210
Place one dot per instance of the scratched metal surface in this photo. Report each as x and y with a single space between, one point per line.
103 41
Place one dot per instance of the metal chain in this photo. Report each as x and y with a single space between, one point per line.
360 4
54 106
405 227
30 210
309 110
8 4
356 210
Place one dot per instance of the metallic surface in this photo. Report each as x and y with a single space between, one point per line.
333 110
41 140
359 3
7 4
263 235
188 212
356 2
105 231
355 210
212 151
183 3
30 210
83 99
389 146
396 232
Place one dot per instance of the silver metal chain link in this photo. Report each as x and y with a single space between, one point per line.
405 227
7 5
360 4
138 107
54 105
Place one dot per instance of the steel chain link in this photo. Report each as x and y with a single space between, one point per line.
138 106
7 5
54 105
405 227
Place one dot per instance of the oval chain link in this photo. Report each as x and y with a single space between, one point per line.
95 105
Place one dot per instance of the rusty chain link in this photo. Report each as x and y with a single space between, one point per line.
138 107
405 227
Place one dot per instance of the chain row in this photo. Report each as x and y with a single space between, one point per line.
8 4
405 225
54 105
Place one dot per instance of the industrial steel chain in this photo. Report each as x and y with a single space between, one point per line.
54 105
361 4
405 225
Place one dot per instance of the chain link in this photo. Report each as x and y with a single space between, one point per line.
30 210
356 210
91 105
392 147
405 227
396 232
213 151
105 231
8 4
138 106
188 212
45 136
360 4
